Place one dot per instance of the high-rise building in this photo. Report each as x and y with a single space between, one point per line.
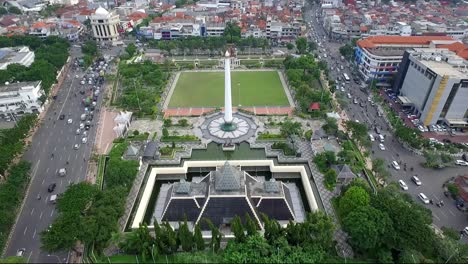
379 57
434 84
105 25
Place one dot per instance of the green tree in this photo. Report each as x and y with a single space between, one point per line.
347 51
352 199
77 198
90 48
185 236
453 189
165 132
451 233
289 128
301 45
368 228
198 238
250 225
273 230
182 122
238 229
289 46
232 32
331 126
330 178
3 11
131 49
138 242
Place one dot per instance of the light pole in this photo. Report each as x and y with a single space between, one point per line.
51 255
152 252
238 90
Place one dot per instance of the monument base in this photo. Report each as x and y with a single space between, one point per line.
228 127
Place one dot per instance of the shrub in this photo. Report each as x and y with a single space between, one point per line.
136 133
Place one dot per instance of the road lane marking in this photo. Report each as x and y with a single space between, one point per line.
25 229
68 157
34 233
76 156
45 201
32 212
55 148
438 199
43 180
30 254
61 182
442 212
436 216
47 171
450 211
52 213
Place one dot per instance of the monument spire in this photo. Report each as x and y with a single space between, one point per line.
227 89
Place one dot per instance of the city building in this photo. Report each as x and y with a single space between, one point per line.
63 2
105 25
16 55
378 57
20 98
434 84
226 192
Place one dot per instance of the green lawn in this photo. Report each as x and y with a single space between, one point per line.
206 89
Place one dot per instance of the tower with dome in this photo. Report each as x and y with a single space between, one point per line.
105 25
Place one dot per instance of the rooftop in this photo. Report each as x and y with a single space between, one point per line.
12 87
375 41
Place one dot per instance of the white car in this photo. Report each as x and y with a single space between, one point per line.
416 180
371 137
403 185
84 140
76 146
342 89
349 96
381 146
395 165
461 162
423 198
69 121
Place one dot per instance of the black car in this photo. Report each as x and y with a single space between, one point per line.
51 187
62 117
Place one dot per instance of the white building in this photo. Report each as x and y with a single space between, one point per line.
105 25
20 98
63 2
434 84
16 55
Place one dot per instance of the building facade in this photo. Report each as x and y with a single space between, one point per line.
16 55
105 25
434 83
20 98
378 58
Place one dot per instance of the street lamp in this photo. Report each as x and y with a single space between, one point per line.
51 255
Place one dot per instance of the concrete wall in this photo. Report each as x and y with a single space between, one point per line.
459 104
416 87
148 190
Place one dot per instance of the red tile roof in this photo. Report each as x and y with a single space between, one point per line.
372 42
459 48
314 106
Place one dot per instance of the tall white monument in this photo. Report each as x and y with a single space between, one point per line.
227 89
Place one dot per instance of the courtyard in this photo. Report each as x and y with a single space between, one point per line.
249 88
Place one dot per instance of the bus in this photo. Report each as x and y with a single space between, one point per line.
346 77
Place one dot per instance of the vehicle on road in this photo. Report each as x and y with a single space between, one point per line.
62 117
349 96
403 185
395 165
461 162
346 77
76 146
465 231
81 125
416 180
355 101
51 187
83 117
78 131
381 138
62 172
371 137
53 199
84 140
381 146
377 130
423 198
69 121
20 252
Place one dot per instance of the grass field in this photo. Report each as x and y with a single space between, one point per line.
249 88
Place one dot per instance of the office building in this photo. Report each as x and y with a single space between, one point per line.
378 57
20 98
105 25
434 84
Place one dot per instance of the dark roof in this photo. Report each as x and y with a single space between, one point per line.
150 149
318 134
182 187
344 172
227 178
132 151
272 186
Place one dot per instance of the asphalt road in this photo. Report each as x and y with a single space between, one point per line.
57 137
432 180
